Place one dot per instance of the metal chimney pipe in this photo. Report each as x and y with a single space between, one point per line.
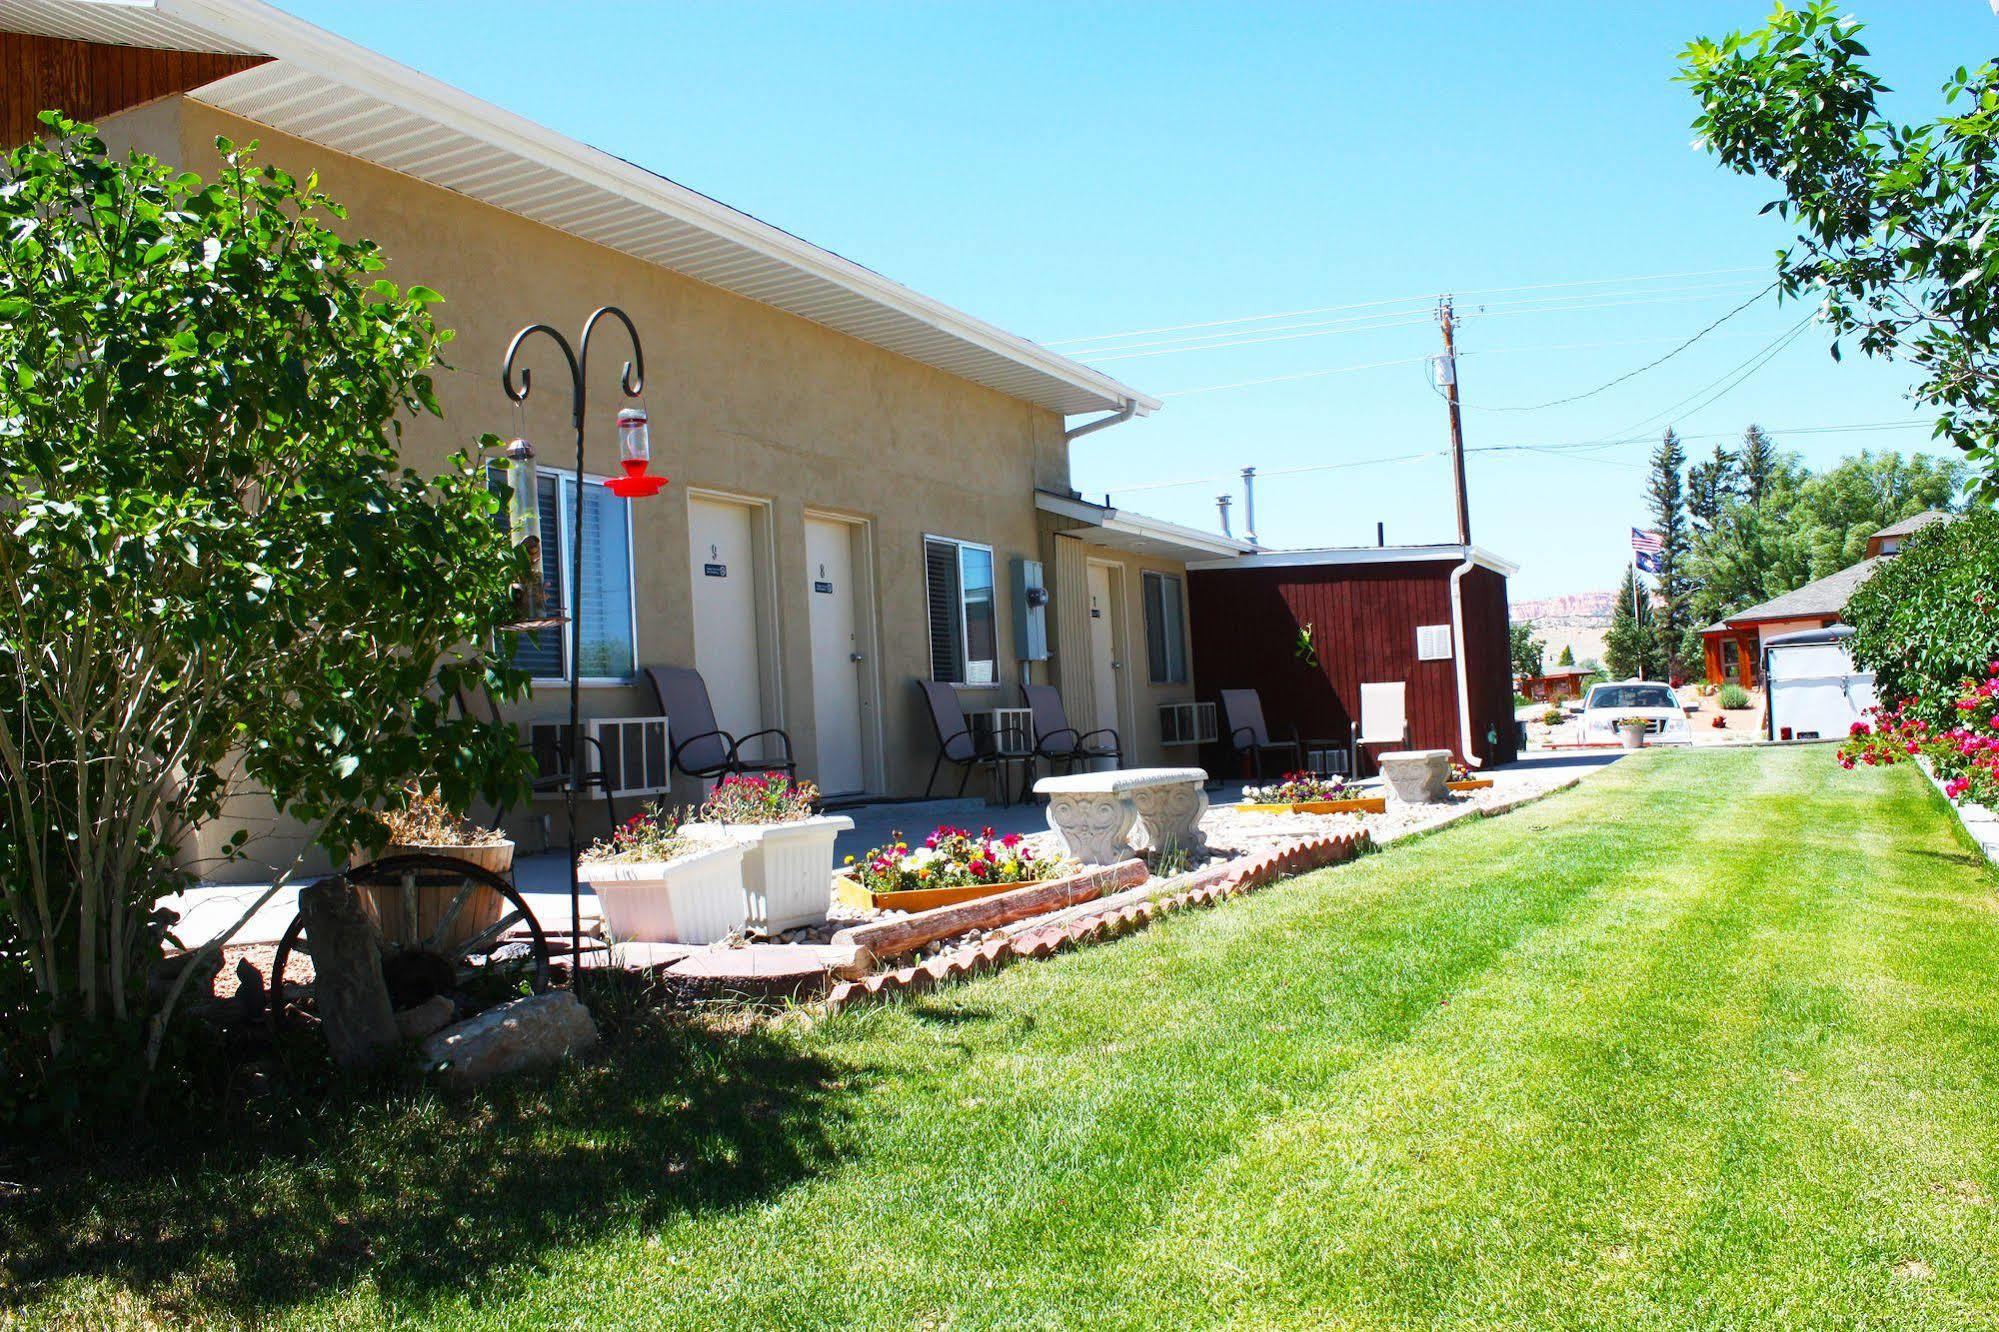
1381 534
1222 503
1249 505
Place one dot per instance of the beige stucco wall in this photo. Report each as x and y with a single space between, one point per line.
1067 559
743 399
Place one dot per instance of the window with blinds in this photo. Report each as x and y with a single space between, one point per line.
964 615
604 592
1165 629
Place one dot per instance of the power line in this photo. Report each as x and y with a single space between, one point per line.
1649 365
1391 319
1425 298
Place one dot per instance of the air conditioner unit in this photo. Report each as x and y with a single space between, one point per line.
633 750
1187 724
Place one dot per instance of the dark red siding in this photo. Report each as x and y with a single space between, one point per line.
86 80
1364 619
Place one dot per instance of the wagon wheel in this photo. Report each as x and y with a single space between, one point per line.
435 963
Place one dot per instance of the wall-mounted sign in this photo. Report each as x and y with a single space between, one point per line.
821 585
715 570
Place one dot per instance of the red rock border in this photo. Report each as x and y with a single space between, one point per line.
1204 887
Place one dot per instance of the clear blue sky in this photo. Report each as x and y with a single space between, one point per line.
1068 171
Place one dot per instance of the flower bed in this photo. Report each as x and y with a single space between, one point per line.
951 866
1308 793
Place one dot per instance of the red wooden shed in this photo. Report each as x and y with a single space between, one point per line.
1377 614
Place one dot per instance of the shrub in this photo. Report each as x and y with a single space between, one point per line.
1552 717
219 575
1734 696
1928 619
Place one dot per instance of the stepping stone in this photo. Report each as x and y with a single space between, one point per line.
759 970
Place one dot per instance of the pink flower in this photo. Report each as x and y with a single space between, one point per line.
1859 728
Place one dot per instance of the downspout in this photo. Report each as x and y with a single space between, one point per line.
1472 760
1117 417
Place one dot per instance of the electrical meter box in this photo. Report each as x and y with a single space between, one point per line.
1030 610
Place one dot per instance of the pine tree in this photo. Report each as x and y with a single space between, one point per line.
1669 519
1756 465
1711 485
1568 657
1629 649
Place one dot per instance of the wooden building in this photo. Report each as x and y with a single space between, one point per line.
1375 615
1558 684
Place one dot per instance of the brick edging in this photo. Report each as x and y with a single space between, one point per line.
1203 887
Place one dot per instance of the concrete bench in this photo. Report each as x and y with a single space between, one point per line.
1416 776
1104 816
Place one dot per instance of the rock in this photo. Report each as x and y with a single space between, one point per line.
432 1015
523 1033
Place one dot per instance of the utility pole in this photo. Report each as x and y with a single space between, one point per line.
1447 371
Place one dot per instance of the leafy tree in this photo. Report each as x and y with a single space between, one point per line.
1928 619
1664 491
1631 645
1811 525
221 578
1893 218
1527 650
1568 657
1758 466
1710 486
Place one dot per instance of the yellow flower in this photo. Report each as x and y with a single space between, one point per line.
923 874
850 860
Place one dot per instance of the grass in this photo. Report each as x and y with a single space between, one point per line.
1707 1042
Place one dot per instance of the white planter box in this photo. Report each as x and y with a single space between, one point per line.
697 899
787 870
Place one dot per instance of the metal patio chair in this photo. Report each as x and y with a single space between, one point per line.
701 749
956 742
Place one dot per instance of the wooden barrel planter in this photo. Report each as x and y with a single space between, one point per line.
1363 805
407 916
849 891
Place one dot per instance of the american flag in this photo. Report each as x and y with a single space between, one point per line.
1648 552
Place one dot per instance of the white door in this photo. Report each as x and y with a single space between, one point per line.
837 660
1106 670
722 551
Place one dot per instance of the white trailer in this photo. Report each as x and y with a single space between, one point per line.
1814 688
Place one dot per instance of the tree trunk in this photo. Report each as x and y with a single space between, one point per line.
347 984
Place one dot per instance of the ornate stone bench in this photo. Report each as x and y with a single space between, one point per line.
1416 776
1104 816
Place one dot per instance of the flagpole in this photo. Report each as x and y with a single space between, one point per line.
1637 620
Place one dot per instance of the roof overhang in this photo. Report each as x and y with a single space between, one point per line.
331 92
1116 529
1356 555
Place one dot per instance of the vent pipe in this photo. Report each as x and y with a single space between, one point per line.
1222 503
1381 534
1249 505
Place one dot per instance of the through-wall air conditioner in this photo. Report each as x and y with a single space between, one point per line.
633 751
1187 724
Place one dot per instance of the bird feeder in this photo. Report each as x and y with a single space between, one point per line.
634 453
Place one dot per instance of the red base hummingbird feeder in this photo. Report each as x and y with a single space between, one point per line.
634 452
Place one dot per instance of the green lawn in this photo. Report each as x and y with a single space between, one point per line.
1712 1041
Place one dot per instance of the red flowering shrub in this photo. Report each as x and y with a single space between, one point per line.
1964 756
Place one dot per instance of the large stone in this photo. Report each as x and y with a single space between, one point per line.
524 1033
1416 776
432 1015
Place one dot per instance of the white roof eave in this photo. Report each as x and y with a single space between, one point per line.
320 88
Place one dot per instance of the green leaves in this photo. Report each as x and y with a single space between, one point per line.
1893 217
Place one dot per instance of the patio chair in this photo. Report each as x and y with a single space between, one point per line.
701 749
956 742
1249 736
1059 743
